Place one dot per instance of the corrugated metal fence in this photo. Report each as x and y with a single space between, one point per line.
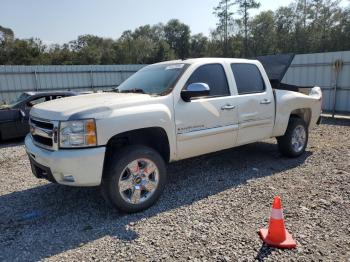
306 70
17 79
330 71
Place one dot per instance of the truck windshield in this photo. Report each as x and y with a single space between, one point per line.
153 79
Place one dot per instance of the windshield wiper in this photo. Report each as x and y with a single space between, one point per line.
133 90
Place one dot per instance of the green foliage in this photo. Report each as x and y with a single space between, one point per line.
177 35
22 52
226 22
198 46
6 34
302 27
263 33
243 9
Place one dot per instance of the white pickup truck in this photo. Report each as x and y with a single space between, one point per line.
121 140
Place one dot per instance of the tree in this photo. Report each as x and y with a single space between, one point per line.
243 8
284 23
90 49
341 33
225 16
263 34
6 34
177 35
164 52
198 45
303 26
23 52
325 15
145 45
61 55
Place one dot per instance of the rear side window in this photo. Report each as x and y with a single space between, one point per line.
214 75
248 78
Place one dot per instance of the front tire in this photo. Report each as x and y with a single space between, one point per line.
294 141
134 178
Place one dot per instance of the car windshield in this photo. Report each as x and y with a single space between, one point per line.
18 100
153 79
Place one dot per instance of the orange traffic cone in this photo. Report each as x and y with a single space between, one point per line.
277 234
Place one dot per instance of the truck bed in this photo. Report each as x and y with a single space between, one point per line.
300 89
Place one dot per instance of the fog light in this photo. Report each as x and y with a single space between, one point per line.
68 178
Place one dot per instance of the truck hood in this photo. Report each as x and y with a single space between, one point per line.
98 105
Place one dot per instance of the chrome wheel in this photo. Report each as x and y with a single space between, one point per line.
139 181
298 138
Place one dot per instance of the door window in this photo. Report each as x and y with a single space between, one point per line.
214 75
248 78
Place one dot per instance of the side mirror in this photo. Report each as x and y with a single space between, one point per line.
195 90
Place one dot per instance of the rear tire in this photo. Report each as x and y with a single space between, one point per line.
134 178
294 141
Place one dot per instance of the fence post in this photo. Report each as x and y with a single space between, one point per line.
337 65
36 80
92 80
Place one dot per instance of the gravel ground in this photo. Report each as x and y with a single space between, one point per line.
211 210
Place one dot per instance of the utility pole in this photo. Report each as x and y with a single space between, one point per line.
226 30
222 11
245 29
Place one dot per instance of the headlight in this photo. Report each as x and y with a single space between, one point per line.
79 133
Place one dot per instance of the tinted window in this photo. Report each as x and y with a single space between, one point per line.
19 99
248 78
213 75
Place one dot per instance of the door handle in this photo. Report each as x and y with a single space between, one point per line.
265 101
228 107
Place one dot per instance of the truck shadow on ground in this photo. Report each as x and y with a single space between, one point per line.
335 121
43 221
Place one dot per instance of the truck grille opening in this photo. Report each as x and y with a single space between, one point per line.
43 133
43 140
41 124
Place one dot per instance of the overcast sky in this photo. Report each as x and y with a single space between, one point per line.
59 21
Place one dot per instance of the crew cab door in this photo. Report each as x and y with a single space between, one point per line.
206 124
255 101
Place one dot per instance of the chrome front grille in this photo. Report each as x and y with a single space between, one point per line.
44 133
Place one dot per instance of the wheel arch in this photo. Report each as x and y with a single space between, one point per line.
153 137
302 113
282 120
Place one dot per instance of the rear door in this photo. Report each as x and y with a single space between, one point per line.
210 123
8 123
255 103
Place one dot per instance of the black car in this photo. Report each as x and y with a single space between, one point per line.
14 116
